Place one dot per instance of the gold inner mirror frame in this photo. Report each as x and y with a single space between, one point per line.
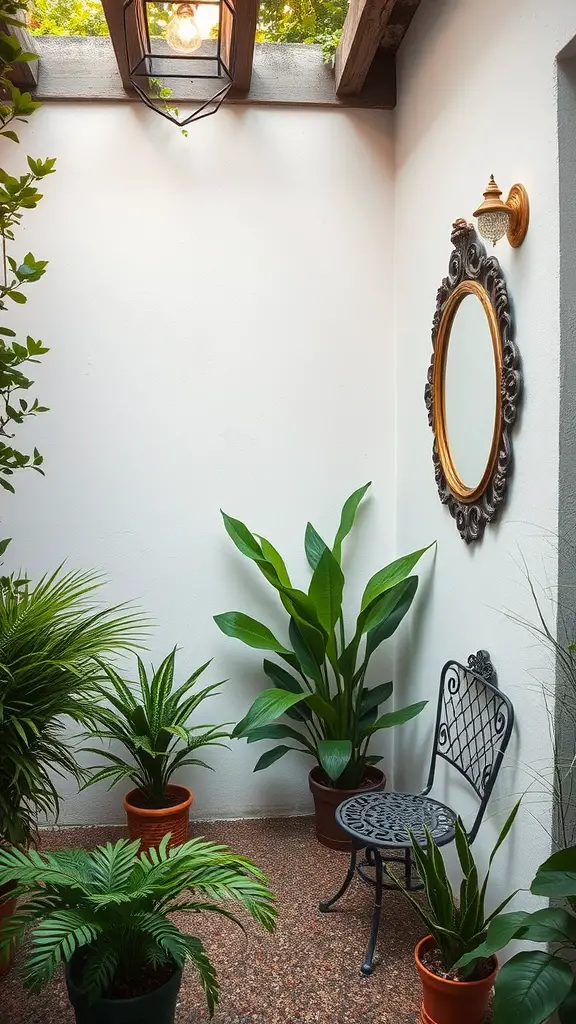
455 483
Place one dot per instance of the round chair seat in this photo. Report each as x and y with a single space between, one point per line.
383 819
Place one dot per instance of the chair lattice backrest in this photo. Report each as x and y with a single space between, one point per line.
473 726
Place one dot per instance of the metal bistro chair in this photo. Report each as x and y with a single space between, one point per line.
473 727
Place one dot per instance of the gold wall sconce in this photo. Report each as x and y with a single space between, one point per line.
497 218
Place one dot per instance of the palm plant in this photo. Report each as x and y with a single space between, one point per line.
53 637
457 926
150 719
104 912
335 712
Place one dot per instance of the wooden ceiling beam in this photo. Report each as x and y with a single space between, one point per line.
114 14
370 25
246 22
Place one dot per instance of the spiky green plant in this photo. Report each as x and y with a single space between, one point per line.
456 925
151 720
53 637
104 911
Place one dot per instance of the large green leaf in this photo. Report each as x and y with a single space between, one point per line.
313 545
251 632
399 717
557 875
383 609
242 537
390 575
390 624
551 924
284 681
376 696
530 987
309 647
334 756
278 731
321 708
275 558
270 756
326 589
269 704
347 518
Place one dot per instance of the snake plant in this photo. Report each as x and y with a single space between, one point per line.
104 911
458 926
325 692
150 719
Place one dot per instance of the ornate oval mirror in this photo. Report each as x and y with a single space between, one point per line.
474 384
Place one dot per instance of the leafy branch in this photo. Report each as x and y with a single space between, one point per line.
17 195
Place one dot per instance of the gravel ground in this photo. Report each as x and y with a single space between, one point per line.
308 972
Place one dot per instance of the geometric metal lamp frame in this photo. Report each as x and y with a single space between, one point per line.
217 67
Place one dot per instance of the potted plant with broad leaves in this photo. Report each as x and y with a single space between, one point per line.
535 984
456 985
103 914
150 719
325 692
53 637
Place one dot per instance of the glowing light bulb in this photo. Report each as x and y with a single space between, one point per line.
183 34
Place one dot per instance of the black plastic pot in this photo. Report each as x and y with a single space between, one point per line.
158 1007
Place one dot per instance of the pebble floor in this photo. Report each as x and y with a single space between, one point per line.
307 973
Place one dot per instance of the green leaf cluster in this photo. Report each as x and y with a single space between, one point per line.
105 911
53 637
150 719
324 691
458 924
534 985
17 195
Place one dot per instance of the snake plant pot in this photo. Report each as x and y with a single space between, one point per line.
155 1007
6 911
452 1002
151 824
327 799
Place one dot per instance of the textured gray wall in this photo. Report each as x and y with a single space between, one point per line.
565 723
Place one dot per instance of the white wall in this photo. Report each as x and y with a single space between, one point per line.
219 310
474 102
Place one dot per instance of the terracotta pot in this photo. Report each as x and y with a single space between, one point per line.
452 1002
327 799
6 911
151 824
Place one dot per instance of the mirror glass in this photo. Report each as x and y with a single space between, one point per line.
470 391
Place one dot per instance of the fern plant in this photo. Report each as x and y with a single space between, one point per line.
104 912
151 720
53 635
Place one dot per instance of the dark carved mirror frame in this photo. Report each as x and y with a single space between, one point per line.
471 270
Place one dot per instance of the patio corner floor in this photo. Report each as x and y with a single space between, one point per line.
308 972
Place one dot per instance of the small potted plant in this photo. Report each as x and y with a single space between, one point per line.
103 914
325 693
53 636
151 721
455 990
535 984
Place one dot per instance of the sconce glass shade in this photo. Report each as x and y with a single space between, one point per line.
493 225
493 214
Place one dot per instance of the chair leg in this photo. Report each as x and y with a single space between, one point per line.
326 905
367 967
